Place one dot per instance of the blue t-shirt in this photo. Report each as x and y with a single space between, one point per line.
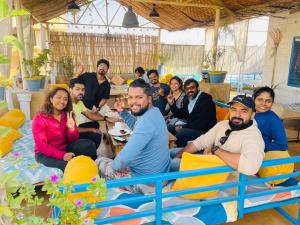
146 151
160 101
272 130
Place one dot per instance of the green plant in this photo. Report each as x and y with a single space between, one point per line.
6 13
20 194
34 65
66 66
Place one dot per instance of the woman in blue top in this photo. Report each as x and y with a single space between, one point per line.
269 123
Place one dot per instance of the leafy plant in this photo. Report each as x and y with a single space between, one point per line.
6 13
21 194
33 65
66 66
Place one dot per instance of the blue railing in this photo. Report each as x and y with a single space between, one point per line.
159 179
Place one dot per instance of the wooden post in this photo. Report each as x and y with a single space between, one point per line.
21 38
215 43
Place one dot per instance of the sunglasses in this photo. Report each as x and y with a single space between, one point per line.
223 139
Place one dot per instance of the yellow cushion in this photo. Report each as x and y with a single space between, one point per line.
193 162
7 137
65 86
5 147
13 118
81 170
276 170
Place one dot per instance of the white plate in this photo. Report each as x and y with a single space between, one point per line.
116 132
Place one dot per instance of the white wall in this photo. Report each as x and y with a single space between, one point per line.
289 27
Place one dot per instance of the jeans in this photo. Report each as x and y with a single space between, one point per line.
79 147
184 135
175 163
95 137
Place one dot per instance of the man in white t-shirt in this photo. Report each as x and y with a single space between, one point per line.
237 141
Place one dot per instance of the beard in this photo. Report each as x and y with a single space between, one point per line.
194 95
79 97
239 126
140 112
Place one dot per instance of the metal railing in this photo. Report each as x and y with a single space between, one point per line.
158 196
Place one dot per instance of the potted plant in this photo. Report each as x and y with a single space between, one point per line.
33 66
4 82
216 74
65 70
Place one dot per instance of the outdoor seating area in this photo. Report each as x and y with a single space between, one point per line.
149 112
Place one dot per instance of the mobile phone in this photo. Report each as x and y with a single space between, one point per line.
120 139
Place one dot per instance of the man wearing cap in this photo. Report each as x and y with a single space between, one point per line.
97 87
237 141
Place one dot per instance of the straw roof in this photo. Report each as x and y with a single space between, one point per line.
177 15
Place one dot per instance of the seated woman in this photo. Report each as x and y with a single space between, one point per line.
55 132
177 102
269 123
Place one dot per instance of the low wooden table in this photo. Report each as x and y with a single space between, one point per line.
286 113
117 146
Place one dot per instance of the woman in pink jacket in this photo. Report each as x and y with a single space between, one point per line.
56 134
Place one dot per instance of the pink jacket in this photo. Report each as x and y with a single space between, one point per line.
51 137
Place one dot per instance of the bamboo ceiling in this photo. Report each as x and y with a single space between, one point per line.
174 14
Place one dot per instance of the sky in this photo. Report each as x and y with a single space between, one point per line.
257 32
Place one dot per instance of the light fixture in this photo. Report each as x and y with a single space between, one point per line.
73 7
154 13
130 19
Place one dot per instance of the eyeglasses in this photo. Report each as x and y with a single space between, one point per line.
223 139
261 100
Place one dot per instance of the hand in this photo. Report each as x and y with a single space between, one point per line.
119 105
68 156
95 130
170 99
178 128
123 173
70 121
161 92
95 110
207 151
168 121
80 69
113 119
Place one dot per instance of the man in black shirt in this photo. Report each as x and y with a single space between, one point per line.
97 87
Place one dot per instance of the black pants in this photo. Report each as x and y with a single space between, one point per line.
184 135
95 137
79 147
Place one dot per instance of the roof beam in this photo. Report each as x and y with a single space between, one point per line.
226 9
268 4
183 4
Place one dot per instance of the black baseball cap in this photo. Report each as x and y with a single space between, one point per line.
244 100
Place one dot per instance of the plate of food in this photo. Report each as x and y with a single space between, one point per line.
119 132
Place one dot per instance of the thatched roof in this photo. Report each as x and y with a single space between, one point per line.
176 15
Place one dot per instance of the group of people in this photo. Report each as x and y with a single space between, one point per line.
60 133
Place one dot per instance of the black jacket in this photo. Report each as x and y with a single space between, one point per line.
203 116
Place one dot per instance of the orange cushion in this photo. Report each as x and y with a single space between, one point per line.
222 113
13 119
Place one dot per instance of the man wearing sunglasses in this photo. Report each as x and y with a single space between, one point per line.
236 141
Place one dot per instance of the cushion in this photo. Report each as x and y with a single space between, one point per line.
81 170
5 147
13 119
7 137
193 162
222 113
65 86
276 170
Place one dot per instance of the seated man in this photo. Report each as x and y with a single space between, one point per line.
238 142
146 151
201 114
159 91
89 130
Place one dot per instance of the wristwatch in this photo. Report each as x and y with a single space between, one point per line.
214 149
